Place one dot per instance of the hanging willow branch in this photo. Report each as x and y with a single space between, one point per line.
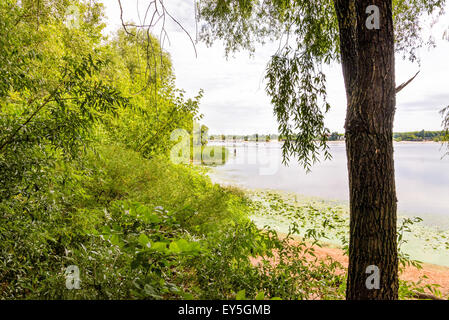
155 18
158 12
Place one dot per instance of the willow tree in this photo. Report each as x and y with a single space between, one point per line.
363 35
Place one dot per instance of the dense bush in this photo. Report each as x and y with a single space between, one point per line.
140 228
86 129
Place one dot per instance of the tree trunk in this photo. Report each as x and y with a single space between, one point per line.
368 68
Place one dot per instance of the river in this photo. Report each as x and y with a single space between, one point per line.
422 175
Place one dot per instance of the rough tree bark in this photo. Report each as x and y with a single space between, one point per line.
369 73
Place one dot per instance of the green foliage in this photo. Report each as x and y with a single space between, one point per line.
105 215
85 132
131 227
259 263
211 155
409 289
419 136
151 244
157 108
308 35
198 204
64 91
335 136
445 138
295 88
329 223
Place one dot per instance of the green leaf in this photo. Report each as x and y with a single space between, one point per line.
241 295
260 296
115 240
144 240
174 248
159 246
147 215
183 245
188 296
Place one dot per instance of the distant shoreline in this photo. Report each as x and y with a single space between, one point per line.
334 142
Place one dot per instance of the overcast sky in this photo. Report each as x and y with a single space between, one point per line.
235 101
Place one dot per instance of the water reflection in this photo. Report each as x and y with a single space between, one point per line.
422 176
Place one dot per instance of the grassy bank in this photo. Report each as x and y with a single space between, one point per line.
141 228
146 229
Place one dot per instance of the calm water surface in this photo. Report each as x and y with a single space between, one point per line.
422 176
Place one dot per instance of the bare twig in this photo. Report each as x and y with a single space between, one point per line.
160 12
445 115
121 18
183 29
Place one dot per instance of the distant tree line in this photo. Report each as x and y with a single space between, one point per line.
335 136
254 137
421 136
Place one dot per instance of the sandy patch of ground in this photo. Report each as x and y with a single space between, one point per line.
435 274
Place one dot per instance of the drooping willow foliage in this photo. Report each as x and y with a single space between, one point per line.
308 37
445 115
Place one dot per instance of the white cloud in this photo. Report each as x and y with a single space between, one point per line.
235 100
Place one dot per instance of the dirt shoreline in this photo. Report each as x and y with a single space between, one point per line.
435 274
429 274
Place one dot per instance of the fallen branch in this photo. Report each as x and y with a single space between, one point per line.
425 296
402 86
